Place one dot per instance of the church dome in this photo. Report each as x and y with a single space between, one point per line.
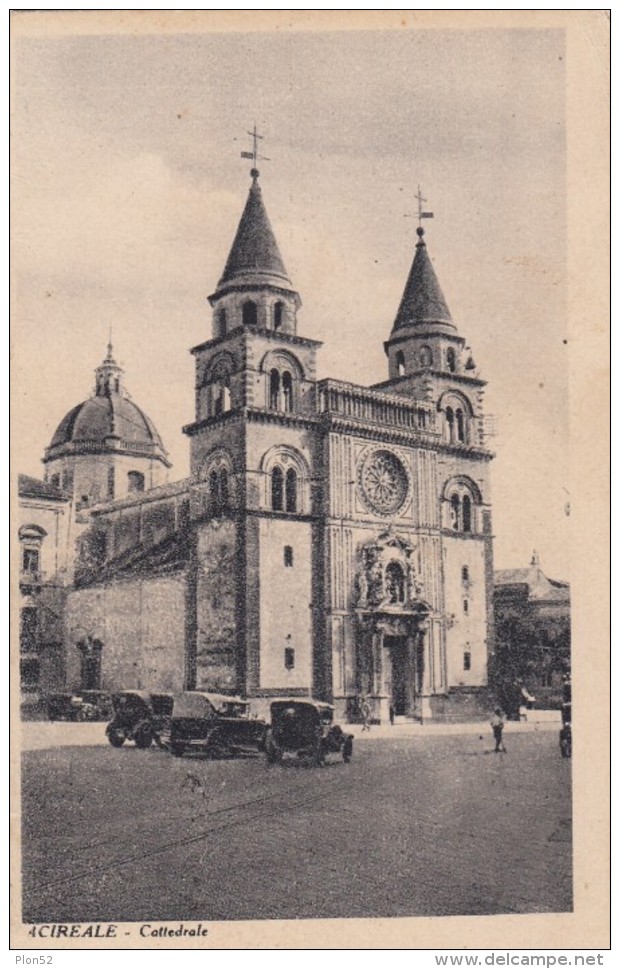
99 418
108 421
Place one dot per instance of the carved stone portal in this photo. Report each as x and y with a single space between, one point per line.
388 575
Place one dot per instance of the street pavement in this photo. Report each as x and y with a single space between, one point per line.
428 823
42 735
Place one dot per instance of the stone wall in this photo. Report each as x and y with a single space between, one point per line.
141 623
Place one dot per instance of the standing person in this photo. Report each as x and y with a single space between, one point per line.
365 714
392 714
497 724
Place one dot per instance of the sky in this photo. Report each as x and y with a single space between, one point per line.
128 186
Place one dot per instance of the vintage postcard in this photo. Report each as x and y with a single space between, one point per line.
310 371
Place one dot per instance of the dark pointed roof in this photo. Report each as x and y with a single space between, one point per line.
254 257
423 301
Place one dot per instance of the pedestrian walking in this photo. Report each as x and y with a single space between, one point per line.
497 724
365 711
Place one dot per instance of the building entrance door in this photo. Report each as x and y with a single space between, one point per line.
397 646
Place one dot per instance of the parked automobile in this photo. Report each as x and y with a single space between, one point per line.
215 724
95 705
305 728
60 706
79 706
139 716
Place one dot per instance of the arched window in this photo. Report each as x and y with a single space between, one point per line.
400 363
220 329
214 489
223 487
395 582
278 315
274 389
55 480
135 482
426 356
465 574
450 424
466 513
277 489
31 538
455 510
451 359
221 395
249 313
460 425
291 490
287 390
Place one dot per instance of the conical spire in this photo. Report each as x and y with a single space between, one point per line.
423 301
254 257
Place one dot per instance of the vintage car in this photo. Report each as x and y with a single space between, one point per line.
214 723
79 706
139 716
305 728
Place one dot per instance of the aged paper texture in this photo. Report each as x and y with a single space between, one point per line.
320 541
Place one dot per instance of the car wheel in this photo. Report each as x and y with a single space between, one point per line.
347 751
272 753
319 756
143 738
116 738
177 750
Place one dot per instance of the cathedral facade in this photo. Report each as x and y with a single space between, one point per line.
331 540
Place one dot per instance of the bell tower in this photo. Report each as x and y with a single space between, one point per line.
430 360
428 357
255 358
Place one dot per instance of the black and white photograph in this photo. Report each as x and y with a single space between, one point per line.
304 340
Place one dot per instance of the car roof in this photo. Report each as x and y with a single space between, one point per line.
304 700
215 698
143 694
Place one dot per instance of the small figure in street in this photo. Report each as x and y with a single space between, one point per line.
365 711
497 724
392 714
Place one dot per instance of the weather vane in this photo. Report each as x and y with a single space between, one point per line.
421 213
254 135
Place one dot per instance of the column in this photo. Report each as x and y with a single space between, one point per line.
382 703
424 670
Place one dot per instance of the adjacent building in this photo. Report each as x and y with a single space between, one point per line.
532 621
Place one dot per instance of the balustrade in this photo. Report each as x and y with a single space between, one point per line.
374 407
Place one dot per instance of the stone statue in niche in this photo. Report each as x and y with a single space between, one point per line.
362 589
377 585
415 586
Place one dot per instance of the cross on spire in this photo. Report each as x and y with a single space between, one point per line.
421 214
254 155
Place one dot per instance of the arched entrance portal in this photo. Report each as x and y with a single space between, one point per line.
393 660
402 666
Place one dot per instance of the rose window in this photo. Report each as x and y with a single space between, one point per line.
383 482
